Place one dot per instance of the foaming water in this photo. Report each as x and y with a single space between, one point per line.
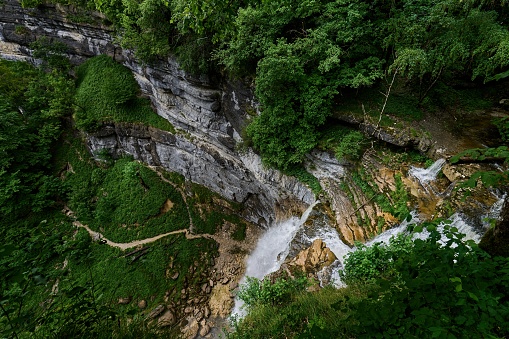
402 228
425 175
495 210
273 247
331 238
271 251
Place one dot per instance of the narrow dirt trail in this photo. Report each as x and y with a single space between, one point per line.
182 193
123 246
126 245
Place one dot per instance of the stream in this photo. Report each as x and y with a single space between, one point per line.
274 245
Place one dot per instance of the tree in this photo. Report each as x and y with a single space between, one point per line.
30 113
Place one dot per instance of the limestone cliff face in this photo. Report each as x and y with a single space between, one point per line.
208 116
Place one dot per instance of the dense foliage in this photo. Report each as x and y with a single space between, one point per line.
304 55
31 105
440 287
106 91
55 281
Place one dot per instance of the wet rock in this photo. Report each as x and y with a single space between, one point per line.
156 311
220 301
204 330
314 258
167 319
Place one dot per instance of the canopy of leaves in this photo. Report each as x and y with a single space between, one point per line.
434 288
106 91
31 105
303 53
440 287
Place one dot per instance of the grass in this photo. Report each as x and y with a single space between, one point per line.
107 92
129 202
109 195
308 315
145 279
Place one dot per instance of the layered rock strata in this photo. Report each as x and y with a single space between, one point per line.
208 116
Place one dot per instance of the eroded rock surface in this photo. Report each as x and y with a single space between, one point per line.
208 114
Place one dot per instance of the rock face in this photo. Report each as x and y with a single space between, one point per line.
208 116
314 258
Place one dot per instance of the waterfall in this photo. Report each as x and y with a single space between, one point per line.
425 175
330 274
271 251
495 210
402 228
273 246
331 238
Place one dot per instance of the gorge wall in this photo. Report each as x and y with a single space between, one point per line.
208 116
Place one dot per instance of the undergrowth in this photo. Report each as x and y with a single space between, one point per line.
108 92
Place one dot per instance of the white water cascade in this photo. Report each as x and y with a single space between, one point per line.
274 245
425 175
271 251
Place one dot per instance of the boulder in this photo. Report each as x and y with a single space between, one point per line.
142 304
191 330
314 258
156 312
167 319
204 330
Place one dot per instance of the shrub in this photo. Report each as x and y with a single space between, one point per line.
107 91
264 292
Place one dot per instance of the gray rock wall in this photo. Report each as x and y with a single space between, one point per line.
208 116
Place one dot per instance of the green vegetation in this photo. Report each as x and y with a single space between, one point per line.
55 281
255 292
393 202
414 289
128 202
107 92
346 142
304 176
307 57
31 104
